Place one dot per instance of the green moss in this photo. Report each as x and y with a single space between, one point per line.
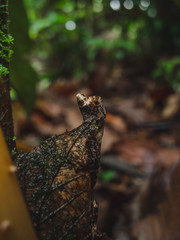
6 42
5 46
3 70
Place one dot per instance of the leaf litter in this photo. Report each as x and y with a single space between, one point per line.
140 132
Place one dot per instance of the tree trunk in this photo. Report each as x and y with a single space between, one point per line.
6 121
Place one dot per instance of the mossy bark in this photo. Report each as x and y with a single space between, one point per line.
6 121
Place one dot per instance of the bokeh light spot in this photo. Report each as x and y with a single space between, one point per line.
152 12
128 4
115 4
70 25
145 3
97 6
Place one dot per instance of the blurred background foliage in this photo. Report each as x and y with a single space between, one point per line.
64 39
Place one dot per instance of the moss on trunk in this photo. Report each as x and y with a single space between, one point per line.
6 40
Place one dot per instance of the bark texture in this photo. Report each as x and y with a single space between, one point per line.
6 122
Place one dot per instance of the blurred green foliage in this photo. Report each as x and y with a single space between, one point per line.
169 69
22 75
69 34
107 175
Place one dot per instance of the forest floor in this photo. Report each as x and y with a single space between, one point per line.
140 149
